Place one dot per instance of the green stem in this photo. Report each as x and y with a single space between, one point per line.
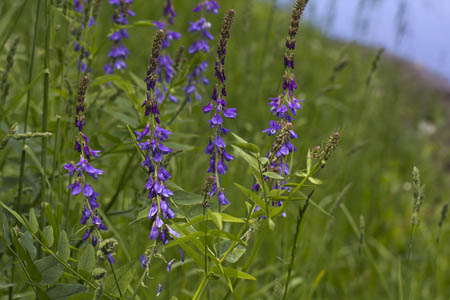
180 109
301 213
115 279
205 212
200 287
45 111
122 181
141 280
250 258
55 155
241 232
27 109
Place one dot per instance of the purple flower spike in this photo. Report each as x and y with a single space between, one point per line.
119 53
169 11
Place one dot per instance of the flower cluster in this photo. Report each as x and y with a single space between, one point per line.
201 28
216 146
119 53
86 19
151 141
285 106
82 170
166 70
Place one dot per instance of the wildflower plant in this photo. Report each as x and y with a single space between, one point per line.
119 52
221 246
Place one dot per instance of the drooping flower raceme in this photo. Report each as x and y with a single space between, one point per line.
119 53
82 170
201 29
151 141
218 107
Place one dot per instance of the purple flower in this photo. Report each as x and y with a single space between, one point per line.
75 187
222 199
119 52
144 261
169 265
230 113
99 223
210 6
169 11
181 254
110 258
273 129
86 234
159 289
219 142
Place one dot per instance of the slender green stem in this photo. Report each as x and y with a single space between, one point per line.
27 108
200 287
115 279
205 212
122 181
141 280
251 257
55 156
301 213
241 232
180 109
45 110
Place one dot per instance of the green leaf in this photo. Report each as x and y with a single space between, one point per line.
236 254
52 220
217 219
238 138
124 276
230 219
63 291
36 161
252 196
141 23
186 198
16 215
26 258
232 273
271 224
41 295
6 229
315 180
87 259
26 240
48 234
33 221
50 269
121 83
273 175
248 146
252 161
63 246
143 214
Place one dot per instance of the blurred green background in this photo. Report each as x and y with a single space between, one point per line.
399 121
